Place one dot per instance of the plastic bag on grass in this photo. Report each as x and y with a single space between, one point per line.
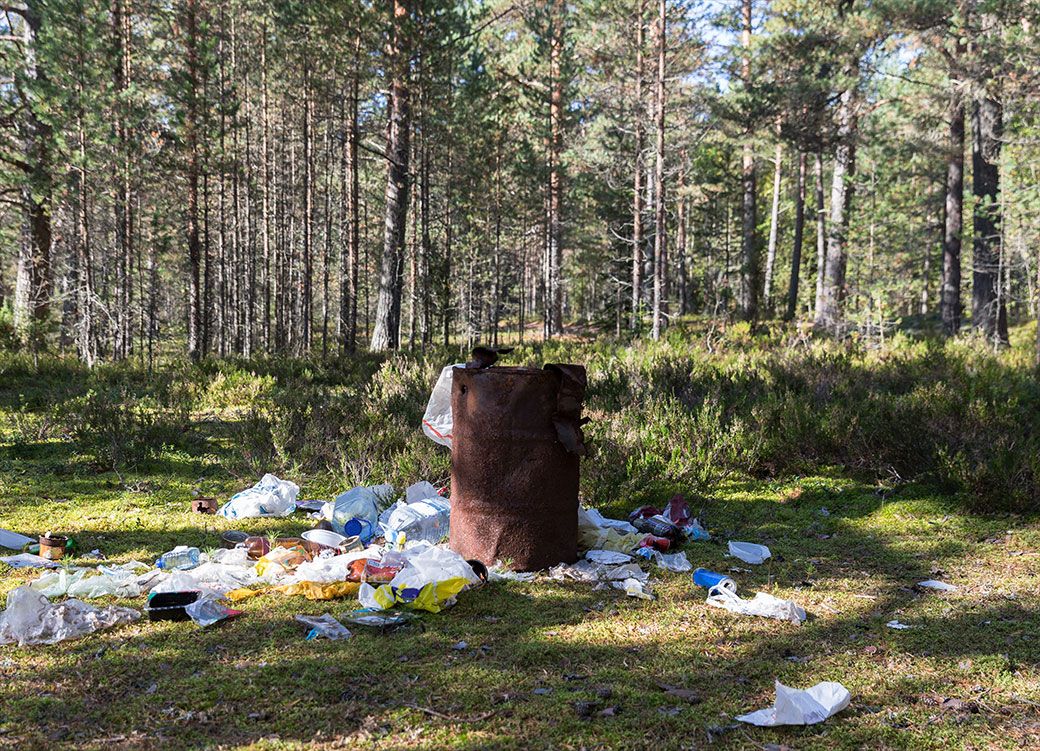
324 625
437 420
269 497
801 707
763 604
749 552
31 619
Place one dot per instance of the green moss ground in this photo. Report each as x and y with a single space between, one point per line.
254 682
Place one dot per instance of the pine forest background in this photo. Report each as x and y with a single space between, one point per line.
240 177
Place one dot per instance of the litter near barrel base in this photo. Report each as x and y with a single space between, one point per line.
801 707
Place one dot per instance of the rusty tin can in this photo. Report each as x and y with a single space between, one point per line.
514 464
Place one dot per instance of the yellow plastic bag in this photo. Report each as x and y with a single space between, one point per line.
319 590
433 597
235 595
281 561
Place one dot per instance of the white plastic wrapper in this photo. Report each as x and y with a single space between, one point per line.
592 517
324 625
749 552
937 585
801 707
31 619
269 497
437 421
608 557
677 562
763 604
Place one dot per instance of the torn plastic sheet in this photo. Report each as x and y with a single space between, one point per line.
801 707
28 560
124 580
334 568
898 626
207 610
610 557
763 604
676 562
937 585
749 552
13 540
324 625
437 420
593 518
31 619
587 571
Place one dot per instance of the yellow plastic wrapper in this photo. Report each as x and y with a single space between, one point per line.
281 561
235 595
319 590
595 538
433 597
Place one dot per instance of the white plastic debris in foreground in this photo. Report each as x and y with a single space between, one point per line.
797 707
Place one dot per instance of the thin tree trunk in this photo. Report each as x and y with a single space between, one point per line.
748 300
774 222
950 294
637 177
799 234
191 142
660 228
386 334
680 239
830 314
265 192
821 232
988 312
554 303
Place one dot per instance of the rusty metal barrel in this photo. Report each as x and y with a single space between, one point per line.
515 453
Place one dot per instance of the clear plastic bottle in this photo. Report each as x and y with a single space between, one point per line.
425 520
181 558
356 511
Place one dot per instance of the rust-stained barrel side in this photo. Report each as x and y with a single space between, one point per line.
514 485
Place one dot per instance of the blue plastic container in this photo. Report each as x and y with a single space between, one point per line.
712 580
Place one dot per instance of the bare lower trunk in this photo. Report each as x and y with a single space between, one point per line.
637 177
660 228
950 295
830 314
774 220
821 232
988 312
386 332
748 299
799 234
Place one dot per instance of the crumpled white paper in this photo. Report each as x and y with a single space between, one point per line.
749 552
763 604
31 619
801 707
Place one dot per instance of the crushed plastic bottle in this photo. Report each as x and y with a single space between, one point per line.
426 520
357 511
181 558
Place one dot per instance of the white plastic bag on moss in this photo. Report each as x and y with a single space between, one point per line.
31 619
795 706
437 421
269 497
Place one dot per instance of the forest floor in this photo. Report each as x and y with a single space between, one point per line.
964 675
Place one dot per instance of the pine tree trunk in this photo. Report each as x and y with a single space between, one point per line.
660 228
191 119
748 300
830 314
950 295
799 234
821 232
554 301
386 333
637 176
774 221
988 312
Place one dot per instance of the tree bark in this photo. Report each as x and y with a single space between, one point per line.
799 234
988 312
774 221
192 145
821 232
660 228
554 301
748 300
950 293
33 275
386 332
637 177
830 313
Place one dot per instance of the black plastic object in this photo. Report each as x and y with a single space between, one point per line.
169 606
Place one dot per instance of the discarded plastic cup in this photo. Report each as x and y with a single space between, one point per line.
712 580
